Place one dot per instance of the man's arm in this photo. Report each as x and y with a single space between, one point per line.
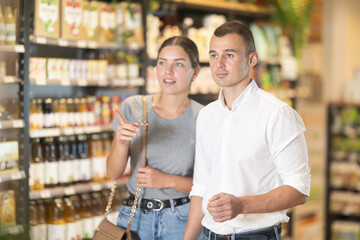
194 227
223 207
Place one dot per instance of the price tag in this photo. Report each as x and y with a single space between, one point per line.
14 230
69 191
18 123
16 176
41 40
82 82
45 194
96 187
65 81
68 131
93 129
40 81
8 79
79 130
81 44
63 42
19 48
93 45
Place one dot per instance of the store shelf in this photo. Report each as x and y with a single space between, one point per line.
54 132
12 48
81 43
10 124
130 82
15 230
9 80
76 189
222 6
12 176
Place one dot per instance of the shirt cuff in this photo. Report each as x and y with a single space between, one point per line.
197 191
302 186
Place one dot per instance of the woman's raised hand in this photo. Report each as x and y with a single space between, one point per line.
125 130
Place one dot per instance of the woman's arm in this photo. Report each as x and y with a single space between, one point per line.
152 178
119 151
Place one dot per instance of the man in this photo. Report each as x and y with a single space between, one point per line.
251 159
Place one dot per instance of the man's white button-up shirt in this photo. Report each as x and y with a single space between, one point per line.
251 149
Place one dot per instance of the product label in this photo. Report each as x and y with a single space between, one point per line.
73 14
38 232
88 229
71 119
78 119
63 119
91 118
39 173
97 167
56 232
76 170
65 171
85 169
10 32
48 120
57 119
91 21
51 173
71 232
48 13
96 222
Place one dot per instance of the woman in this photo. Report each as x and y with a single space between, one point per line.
170 149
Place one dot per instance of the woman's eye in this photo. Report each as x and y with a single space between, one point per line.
161 63
179 64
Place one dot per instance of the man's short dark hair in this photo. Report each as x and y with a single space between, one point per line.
240 29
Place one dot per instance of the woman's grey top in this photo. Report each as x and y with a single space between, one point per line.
170 144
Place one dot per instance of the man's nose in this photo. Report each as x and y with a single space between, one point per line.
220 62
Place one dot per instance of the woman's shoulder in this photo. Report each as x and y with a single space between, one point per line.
196 107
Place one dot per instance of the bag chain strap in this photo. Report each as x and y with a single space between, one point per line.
144 124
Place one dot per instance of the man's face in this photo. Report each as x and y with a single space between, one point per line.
229 62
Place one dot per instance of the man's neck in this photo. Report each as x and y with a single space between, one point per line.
233 92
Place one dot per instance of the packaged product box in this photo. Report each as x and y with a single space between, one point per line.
107 22
47 18
7 209
71 20
90 21
133 30
9 156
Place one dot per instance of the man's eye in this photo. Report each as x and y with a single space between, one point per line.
213 56
229 55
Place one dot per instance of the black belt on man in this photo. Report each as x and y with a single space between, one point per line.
269 233
155 204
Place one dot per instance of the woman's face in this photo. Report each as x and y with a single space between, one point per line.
174 71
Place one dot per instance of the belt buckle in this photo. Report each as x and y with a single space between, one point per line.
161 205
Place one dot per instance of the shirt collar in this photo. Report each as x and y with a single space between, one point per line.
243 98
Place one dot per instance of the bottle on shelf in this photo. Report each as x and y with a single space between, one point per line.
51 163
84 160
77 114
40 114
70 219
63 113
2 28
97 211
83 112
70 112
10 26
74 158
76 203
48 113
105 111
86 216
56 220
97 160
65 168
41 215
33 115
56 113
91 119
33 220
106 146
37 165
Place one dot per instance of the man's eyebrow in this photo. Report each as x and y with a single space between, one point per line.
226 50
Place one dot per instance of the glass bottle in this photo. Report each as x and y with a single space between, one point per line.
56 221
70 219
97 110
86 216
33 115
2 28
70 112
84 160
76 202
41 214
83 112
40 113
48 113
77 114
33 220
65 169
90 110
97 211
63 113
115 104
106 146
56 112
73 156
97 160
10 26
105 111
37 165
51 163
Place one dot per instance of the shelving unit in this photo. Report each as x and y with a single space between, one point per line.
342 169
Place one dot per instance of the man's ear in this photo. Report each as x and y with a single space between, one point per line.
253 59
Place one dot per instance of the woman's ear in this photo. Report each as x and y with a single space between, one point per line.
196 72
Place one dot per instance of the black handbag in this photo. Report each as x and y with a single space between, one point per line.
107 230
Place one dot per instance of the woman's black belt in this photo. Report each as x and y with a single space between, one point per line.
155 204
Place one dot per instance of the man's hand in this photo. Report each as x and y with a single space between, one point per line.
223 207
148 177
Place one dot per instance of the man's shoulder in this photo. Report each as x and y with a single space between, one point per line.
210 108
271 100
